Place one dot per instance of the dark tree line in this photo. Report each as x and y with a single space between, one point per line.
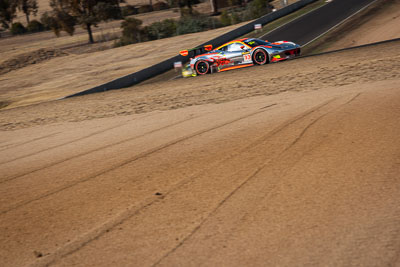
8 9
28 7
7 12
66 14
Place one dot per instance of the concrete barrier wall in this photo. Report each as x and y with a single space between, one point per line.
166 65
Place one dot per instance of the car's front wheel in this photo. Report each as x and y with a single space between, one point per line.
260 57
202 67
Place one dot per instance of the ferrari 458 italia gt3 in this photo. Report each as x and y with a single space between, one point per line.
237 54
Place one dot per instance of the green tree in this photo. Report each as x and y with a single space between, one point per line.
161 29
86 13
17 28
59 19
132 30
225 18
259 8
28 7
7 12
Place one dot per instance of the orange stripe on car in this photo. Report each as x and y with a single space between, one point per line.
206 54
237 67
231 42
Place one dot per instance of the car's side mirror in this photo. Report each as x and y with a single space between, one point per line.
242 47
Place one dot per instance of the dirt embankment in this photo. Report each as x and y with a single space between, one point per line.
372 64
294 167
27 59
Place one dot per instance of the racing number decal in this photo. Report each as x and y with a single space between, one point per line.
246 57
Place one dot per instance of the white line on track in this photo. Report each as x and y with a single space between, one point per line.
289 21
341 22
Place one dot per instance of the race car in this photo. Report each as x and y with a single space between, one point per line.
237 54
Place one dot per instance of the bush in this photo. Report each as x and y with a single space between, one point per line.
163 29
145 9
190 24
17 28
235 18
132 32
235 2
160 6
46 20
129 10
225 18
173 3
257 8
35 26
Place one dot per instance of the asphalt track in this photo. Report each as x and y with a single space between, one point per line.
308 27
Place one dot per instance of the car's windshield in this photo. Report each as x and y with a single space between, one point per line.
255 42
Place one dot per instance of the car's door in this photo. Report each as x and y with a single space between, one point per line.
238 53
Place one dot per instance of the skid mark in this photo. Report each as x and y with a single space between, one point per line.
5 147
214 211
128 161
295 141
132 211
88 178
136 209
93 150
69 142
268 106
221 203
288 123
249 178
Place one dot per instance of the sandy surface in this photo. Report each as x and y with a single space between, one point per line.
287 170
379 23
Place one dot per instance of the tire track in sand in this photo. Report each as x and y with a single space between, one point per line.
130 160
81 241
260 168
316 120
288 168
92 151
133 210
5 147
69 142
77 156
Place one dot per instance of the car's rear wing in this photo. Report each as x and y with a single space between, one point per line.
196 51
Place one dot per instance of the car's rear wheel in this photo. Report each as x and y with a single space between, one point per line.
202 67
260 57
